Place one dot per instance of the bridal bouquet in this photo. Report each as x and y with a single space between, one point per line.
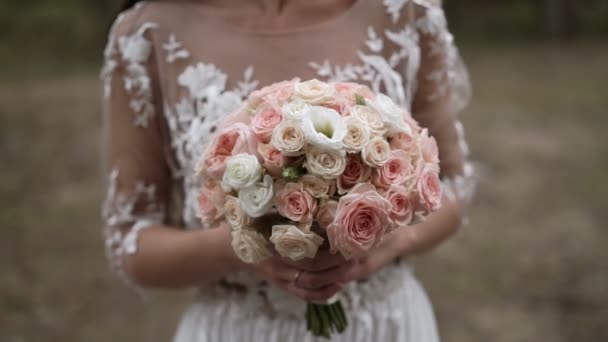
335 161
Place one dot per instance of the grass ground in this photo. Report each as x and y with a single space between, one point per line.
531 265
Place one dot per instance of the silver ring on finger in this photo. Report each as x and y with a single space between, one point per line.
296 277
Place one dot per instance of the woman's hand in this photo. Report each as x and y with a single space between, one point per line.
313 280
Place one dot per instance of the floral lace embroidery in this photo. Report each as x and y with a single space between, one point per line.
193 120
175 50
135 50
375 69
119 211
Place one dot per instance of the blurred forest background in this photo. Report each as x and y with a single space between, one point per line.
530 266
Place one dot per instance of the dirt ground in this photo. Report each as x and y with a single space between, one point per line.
530 266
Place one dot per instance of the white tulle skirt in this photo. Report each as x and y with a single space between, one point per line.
403 314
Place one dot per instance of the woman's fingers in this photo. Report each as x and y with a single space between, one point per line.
277 270
324 260
336 275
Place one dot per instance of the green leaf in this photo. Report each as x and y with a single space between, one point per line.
360 100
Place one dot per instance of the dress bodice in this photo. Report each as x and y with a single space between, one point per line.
172 70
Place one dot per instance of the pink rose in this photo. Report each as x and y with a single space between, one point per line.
275 94
428 148
355 172
407 143
265 121
326 214
294 203
210 201
398 170
429 188
403 205
360 223
273 159
348 90
234 139
339 105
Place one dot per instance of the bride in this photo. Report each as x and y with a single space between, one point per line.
174 67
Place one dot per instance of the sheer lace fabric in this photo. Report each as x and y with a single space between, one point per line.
172 70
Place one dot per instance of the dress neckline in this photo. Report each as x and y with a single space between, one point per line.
332 22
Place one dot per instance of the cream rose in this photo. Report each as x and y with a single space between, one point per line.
376 153
291 242
392 115
313 91
327 164
242 171
371 118
250 246
234 214
295 110
357 134
257 199
289 138
317 186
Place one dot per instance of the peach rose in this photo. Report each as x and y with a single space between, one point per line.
265 121
407 143
355 172
326 213
234 139
273 159
360 223
376 153
289 138
294 203
403 205
429 188
398 170
317 186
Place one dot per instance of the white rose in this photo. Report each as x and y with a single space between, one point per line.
257 199
234 214
324 127
313 92
295 110
357 134
317 187
376 153
291 242
289 138
250 246
371 118
242 171
327 164
392 115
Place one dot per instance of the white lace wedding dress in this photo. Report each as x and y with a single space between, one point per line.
173 68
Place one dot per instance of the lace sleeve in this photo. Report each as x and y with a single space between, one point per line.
138 175
443 91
